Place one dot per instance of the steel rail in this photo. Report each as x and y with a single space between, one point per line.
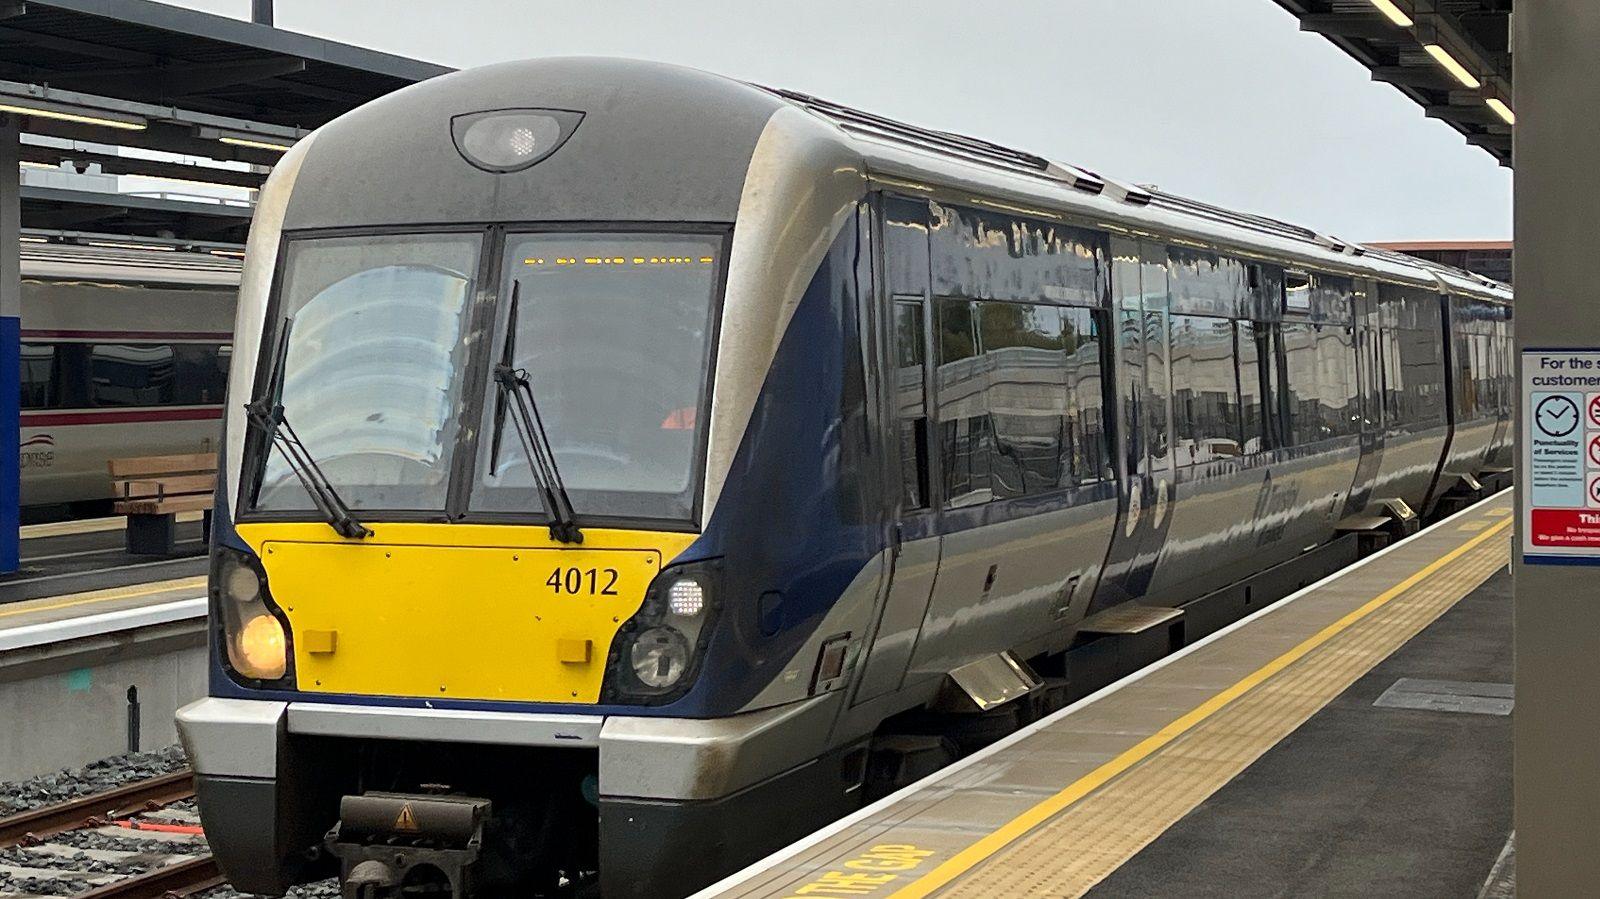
117 802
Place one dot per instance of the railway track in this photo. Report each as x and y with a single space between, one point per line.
137 841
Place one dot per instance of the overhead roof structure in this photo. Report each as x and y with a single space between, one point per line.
137 73
1452 57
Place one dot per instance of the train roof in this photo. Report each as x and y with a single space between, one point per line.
911 153
660 142
127 264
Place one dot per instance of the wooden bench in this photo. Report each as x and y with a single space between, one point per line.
152 490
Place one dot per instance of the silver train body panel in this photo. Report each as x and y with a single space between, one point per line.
126 303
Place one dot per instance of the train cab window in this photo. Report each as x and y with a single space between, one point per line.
615 333
911 405
1205 390
372 368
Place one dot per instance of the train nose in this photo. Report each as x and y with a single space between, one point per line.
408 613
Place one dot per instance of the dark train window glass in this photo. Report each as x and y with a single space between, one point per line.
1024 414
201 374
963 406
1088 443
38 376
131 374
1205 397
1296 292
1322 395
1252 388
911 410
1026 397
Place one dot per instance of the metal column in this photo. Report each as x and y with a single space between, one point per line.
1557 724
10 339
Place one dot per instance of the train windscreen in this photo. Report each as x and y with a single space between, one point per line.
613 331
372 370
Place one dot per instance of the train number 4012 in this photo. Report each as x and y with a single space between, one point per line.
589 581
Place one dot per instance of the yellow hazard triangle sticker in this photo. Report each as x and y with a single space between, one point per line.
406 820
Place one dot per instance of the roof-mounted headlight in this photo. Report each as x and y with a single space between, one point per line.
510 140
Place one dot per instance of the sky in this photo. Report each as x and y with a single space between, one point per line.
1222 100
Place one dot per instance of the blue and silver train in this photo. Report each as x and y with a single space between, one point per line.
628 469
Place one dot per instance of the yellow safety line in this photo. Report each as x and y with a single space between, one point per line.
107 595
1009 832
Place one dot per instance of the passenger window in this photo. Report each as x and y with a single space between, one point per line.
1318 360
1088 441
963 406
1296 292
1252 402
1204 390
131 374
911 403
38 369
1025 396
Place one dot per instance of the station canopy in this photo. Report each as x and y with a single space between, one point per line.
142 74
1453 57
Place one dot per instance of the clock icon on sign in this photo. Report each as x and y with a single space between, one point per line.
1556 416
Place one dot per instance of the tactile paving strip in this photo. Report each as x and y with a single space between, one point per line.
1071 852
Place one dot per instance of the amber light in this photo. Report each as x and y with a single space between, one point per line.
263 651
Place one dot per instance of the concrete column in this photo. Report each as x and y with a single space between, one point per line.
10 339
1557 727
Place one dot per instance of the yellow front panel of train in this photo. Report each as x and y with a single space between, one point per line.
438 619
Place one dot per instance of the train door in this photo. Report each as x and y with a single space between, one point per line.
905 353
1369 381
1143 390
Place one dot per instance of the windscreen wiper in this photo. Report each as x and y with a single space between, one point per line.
516 395
267 414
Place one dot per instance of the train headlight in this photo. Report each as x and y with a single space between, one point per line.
510 140
659 657
263 649
255 640
686 598
655 655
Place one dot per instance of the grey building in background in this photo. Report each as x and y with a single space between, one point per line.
1490 258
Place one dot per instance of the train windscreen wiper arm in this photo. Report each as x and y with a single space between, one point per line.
515 394
267 414
269 417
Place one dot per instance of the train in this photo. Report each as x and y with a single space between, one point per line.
125 352
628 469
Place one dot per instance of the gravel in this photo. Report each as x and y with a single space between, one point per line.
322 889
70 783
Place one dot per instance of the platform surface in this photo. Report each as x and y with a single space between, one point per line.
1253 763
73 557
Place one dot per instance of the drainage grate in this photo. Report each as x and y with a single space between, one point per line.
1447 696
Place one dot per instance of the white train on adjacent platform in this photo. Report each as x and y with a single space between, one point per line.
125 352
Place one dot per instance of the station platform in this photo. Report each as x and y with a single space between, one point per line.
1351 739
73 557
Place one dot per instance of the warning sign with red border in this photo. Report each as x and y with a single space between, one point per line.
1560 465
